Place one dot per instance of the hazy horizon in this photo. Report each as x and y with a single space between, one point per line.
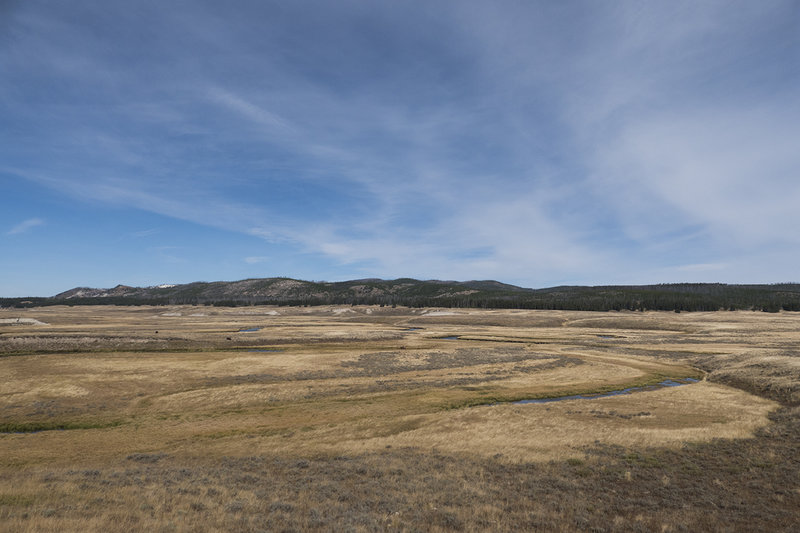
537 144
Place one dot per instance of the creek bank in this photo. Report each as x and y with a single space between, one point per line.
677 382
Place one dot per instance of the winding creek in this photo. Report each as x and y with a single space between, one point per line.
669 382
677 382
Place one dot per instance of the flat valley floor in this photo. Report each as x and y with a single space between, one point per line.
195 418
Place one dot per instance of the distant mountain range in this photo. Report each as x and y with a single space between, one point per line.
287 290
434 293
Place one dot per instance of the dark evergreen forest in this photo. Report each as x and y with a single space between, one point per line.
413 293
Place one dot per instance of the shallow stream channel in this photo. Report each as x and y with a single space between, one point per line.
677 382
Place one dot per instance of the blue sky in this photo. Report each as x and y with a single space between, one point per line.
537 143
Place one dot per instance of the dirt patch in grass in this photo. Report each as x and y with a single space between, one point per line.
383 363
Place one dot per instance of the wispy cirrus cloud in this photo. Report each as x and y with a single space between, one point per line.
144 233
537 143
25 226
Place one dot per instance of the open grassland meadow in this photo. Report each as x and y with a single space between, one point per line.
367 418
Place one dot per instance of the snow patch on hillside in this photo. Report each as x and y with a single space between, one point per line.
439 313
22 322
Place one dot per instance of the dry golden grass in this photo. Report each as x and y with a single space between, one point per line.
313 384
559 430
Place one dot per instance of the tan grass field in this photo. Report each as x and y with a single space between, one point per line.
128 416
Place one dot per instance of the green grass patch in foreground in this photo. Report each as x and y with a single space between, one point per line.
18 500
33 427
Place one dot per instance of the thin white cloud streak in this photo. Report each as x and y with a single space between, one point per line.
25 226
336 137
193 206
144 233
274 123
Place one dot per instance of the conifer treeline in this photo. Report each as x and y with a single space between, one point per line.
413 293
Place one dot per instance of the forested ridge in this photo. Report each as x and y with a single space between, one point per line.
434 293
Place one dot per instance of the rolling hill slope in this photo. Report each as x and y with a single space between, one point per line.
435 293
